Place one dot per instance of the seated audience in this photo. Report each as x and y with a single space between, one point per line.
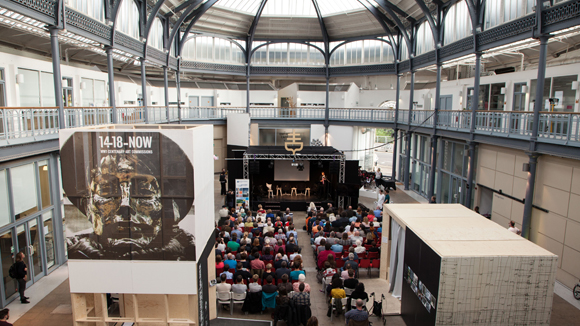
239 287
301 297
357 314
223 286
301 279
254 285
269 287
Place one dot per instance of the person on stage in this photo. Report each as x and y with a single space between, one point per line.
323 185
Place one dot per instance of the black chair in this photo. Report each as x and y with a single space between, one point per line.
286 189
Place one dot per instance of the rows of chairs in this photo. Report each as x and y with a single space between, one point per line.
230 298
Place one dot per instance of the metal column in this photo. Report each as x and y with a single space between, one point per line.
474 105
396 130
178 86
54 45
326 109
431 190
166 92
111 72
144 90
248 92
529 199
408 150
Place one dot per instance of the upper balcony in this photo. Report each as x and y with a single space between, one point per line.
28 125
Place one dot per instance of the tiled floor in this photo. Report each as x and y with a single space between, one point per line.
54 308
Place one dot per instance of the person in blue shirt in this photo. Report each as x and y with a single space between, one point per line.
231 261
292 230
377 212
226 272
337 248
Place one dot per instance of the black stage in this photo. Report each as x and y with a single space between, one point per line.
295 203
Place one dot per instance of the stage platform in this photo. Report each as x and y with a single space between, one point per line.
295 203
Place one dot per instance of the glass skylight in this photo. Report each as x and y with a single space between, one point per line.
289 8
245 6
333 7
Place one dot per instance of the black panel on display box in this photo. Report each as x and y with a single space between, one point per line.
426 265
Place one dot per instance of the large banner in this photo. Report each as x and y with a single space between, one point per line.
242 192
133 190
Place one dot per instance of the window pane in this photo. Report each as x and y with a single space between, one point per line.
88 95
4 203
100 93
49 239
497 98
446 156
24 190
562 90
546 95
44 183
30 89
47 89
458 154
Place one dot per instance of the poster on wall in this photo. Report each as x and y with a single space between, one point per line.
242 192
131 190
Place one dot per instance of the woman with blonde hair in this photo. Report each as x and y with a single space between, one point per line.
311 208
365 222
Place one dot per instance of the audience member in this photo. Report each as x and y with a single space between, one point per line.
301 279
357 314
254 285
227 273
301 297
350 282
282 271
239 287
223 286
269 287
285 284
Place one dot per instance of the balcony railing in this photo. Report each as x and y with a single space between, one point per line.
21 125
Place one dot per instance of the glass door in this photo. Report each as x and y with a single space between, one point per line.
7 255
29 243
457 190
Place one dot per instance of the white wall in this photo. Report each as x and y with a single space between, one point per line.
11 60
238 129
288 91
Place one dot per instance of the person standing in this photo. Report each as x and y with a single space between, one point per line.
378 178
512 228
223 181
21 272
323 185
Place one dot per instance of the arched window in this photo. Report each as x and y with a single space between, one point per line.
425 41
128 18
361 52
155 38
92 8
287 54
500 11
388 104
212 49
457 23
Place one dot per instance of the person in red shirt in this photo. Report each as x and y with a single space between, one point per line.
323 255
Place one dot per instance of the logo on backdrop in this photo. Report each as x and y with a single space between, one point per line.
293 143
132 189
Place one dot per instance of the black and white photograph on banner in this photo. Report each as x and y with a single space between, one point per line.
132 190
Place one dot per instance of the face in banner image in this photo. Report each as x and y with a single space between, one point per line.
133 189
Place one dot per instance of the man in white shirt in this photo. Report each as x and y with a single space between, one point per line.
268 228
224 212
513 228
381 199
223 286
319 237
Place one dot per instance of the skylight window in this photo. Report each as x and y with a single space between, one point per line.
245 6
333 7
289 8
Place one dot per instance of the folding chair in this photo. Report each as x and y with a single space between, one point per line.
348 291
237 298
224 298
333 302
376 263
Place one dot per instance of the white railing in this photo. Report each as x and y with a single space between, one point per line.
19 125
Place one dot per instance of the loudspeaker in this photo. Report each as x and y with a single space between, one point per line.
334 167
254 167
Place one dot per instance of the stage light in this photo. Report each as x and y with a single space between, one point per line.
320 164
300 167
271 165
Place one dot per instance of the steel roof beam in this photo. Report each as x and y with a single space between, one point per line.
434 26
381 18
402 30
177 25
324 31
197 15
179 8
151 19
252 33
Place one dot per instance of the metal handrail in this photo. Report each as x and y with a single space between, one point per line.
20 123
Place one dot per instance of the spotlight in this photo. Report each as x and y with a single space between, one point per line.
300 167
320 164
271 165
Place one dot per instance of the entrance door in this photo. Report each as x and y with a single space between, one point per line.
207 101
446 102
28 239
457 190
193 101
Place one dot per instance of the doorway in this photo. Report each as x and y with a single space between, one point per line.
485 202
207 101
193 101
28 239
446 102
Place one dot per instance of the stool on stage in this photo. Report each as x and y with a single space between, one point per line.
278 190
293 192
270 192
307 191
